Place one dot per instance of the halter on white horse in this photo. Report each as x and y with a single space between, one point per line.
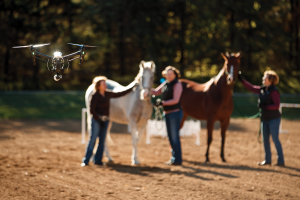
145 78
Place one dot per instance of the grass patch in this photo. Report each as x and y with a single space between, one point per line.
68 106
41 106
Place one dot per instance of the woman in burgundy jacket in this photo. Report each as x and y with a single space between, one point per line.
269 102
99 108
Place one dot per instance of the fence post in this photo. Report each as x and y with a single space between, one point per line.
83 125
280 126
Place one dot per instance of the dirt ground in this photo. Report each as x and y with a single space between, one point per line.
40 159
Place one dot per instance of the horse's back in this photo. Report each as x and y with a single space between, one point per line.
195 98
121 107
194 86
114 86
88 94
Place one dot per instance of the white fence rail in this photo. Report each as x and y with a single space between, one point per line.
154 128
158 128
286 105
83 125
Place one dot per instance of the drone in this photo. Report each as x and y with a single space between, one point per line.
58 60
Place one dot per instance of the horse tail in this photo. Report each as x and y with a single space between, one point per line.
108 136
183 119
88 97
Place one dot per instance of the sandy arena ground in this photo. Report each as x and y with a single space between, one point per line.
40 159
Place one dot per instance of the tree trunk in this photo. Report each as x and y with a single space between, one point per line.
107 54
121 47
291 56
182 5
249 45
36 69
232 24
6 64
297 51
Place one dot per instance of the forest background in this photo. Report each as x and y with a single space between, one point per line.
187 34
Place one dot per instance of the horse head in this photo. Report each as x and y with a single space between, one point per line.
232 63
146 77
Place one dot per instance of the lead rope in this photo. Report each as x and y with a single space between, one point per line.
260 136
258 114
158 117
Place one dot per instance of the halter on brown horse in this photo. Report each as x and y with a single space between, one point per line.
212 101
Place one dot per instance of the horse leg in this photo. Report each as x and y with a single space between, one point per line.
224 126
210 127
106 151
134 157
140 132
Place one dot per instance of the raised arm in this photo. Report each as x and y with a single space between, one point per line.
157 91
119 94
250 87
177 91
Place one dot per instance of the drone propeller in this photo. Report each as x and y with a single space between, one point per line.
81 45
33 45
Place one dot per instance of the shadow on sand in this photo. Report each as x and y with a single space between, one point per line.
245 168
195 172
144 171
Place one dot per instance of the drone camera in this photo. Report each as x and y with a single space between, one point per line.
57 77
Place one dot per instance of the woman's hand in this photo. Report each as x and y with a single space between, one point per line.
240 76
101 123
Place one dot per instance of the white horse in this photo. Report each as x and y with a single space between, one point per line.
133 109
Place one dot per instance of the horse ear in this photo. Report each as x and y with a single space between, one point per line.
222 54
142 64
238 55
153 66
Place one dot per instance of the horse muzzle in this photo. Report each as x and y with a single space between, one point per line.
145 94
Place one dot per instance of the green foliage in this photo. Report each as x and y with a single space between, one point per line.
188 34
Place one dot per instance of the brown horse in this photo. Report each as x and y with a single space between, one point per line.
212 101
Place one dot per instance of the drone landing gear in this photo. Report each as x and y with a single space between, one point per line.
57 77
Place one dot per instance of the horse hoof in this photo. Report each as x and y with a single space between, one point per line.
111 161
135 163
206 161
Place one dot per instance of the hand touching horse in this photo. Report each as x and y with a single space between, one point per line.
212 101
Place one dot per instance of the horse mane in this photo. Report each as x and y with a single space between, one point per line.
139 75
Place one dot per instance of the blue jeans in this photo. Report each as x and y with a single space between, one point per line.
173 125
100 132
271 127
